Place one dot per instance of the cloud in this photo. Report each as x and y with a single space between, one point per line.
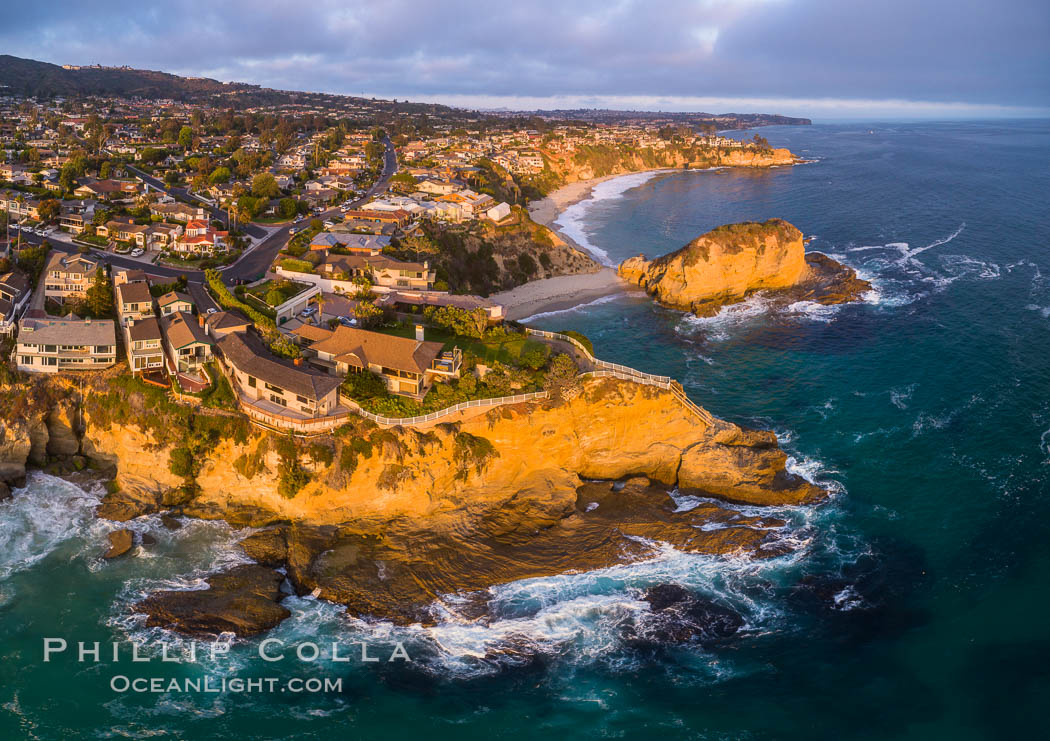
991 56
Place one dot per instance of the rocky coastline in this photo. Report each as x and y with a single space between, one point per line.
393 519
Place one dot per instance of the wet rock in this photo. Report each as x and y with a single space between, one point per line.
170 522
243 600
679 616
267 548
121 506
5 491
664 595
120 542
147 540
398 573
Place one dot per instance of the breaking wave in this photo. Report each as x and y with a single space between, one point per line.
571 220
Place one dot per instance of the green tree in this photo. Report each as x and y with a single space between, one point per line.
99 297
185 137
105 170
220 175
265 186
561 376
288 207
49 209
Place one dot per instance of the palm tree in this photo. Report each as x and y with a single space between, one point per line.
321 300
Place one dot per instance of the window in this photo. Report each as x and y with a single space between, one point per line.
302 400
271 387
27 360
251 381
279 400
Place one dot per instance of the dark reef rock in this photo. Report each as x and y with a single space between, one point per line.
679 616
169 522
267 548
120 542
243 600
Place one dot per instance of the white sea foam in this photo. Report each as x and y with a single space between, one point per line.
571 220
901 395
555 312
39 518
813 310
719 326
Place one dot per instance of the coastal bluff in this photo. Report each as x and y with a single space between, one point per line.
390 519
731 262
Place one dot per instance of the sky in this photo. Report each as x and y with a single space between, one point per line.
824 59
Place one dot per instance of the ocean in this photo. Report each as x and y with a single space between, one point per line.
913 607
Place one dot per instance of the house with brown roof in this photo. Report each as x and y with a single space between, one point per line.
124 232
68 276
144 344
15 291
108 189
222 323
272 385
173 301
408 366
134 302
188 344
382 270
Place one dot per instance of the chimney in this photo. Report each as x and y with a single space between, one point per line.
419 333
298 361
200 319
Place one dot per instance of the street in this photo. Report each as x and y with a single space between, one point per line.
251 265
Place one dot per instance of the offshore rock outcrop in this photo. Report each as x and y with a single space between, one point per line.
728 264
244 600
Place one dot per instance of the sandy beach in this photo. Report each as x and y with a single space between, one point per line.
564 291
561 292
546 210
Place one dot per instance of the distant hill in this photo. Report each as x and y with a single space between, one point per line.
30 78
720 120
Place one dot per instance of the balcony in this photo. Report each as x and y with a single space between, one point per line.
448 363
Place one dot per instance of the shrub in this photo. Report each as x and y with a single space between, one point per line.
581 338
561 376
472 452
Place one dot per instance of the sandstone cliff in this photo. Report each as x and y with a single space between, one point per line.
388 520
731 262
573 168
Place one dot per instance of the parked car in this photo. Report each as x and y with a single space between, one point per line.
212 310
347 321
137 252
308 311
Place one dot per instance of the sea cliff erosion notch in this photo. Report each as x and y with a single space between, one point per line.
731 262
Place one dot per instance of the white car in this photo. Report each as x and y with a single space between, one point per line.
137 252
213 310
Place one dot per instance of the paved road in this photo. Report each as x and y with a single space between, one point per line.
254 264
183 194
251 266
201 297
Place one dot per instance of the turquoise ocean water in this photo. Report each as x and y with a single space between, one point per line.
914 606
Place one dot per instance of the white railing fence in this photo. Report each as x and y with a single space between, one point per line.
447 411
606 369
